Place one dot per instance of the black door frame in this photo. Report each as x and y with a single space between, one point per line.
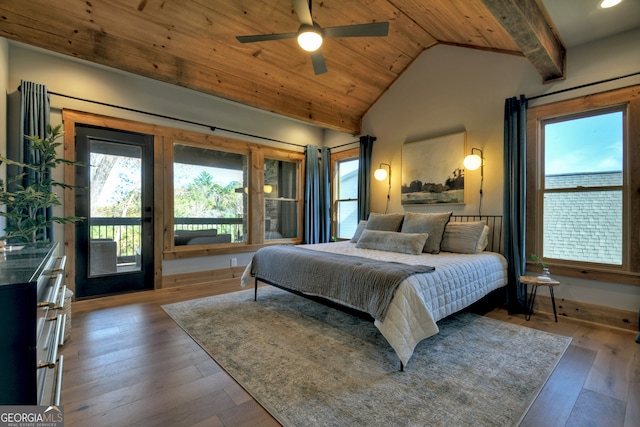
120 282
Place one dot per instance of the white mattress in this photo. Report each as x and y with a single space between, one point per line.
421 300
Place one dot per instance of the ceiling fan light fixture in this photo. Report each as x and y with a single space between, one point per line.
310 39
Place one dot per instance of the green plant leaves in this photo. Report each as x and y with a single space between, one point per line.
25 204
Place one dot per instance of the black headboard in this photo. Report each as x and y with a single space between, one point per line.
495 228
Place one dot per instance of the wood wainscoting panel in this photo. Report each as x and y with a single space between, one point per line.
203 277
602 315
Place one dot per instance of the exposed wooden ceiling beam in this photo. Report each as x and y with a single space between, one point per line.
527 22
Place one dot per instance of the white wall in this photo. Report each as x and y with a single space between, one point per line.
449 89
81 79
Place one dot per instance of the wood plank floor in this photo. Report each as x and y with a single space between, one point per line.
128 364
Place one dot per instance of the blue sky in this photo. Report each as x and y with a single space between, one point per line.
588 144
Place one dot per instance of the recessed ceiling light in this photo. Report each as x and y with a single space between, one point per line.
605 4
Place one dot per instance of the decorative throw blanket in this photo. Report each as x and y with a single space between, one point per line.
361 283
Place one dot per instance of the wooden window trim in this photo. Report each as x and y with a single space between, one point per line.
629 97
350 154
286 156
164 137
256 155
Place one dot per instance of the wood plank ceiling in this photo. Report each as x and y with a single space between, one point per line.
191 43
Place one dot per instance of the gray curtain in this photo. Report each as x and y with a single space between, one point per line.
316 196
515 130
34 118
364 177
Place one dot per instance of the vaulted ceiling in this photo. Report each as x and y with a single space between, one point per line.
192 43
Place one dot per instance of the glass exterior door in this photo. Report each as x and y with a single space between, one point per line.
115 242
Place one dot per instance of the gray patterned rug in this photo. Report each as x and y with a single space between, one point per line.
310 365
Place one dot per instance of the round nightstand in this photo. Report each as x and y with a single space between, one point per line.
535 283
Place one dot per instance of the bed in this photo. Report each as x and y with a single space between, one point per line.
462 269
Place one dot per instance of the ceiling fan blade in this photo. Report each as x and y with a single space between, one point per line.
266 37
303 11
319 66
359 30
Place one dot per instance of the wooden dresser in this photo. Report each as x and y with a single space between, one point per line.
31 300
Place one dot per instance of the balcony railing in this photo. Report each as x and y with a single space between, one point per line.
126 231
233 226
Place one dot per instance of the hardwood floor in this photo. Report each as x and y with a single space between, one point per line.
128 364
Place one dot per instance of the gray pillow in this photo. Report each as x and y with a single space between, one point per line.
183 237
463 237
384 222
361 225
431 223
392 241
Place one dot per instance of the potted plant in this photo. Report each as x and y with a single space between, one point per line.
539 261
23 206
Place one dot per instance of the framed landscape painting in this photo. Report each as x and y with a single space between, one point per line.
432 170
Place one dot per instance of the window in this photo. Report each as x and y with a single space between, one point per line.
281 204
209 198
228 196
208 190
583 177
580 203
345 190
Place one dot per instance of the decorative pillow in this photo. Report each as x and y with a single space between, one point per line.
431 223
384 222
484 240
392 241
462 237
361 225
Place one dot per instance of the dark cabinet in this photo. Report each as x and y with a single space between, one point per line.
31 299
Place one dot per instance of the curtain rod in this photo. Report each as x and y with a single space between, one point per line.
212 128
339 146
584 85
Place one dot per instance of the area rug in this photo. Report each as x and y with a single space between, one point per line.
311 365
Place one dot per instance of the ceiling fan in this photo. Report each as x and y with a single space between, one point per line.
310 35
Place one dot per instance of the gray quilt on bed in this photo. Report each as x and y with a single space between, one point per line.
361 283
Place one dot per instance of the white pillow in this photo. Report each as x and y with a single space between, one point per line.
484 240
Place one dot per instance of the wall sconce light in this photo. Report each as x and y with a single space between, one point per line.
473 162
380 174
268 188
